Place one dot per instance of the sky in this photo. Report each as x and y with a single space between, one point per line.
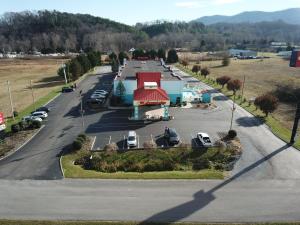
133 11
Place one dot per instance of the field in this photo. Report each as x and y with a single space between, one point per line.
261 76
19 72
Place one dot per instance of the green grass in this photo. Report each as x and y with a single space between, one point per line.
276 127
74 171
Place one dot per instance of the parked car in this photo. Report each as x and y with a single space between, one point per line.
131 139
67 89
97 96
42 109
171 136
101 92
40 114
95 101
31 118
204 139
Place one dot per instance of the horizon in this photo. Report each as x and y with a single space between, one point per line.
125 11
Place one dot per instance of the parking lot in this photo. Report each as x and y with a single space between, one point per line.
113 127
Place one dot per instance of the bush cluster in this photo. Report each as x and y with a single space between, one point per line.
155 160
79 141
20 126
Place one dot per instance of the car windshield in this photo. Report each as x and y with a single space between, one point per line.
173 134
131 138
206 139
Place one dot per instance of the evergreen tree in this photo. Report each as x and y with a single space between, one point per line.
75 69
161 54
114 66
172 56
120 89
122 56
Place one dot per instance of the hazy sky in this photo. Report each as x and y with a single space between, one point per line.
132 11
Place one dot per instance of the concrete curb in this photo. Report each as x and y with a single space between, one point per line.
15 150
51 100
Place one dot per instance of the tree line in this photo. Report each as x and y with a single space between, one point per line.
53 31
78 66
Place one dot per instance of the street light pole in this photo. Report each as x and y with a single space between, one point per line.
65 75
10 99
243 86
232 114
81 111
296 122
32 94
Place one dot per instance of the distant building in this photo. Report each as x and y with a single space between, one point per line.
242 53
285 54
278 45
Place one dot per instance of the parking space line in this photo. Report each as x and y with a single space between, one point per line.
124 142
93 143
151 138
109 140
138 141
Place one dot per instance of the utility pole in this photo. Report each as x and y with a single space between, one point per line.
65 75
10 99
232 114
296 122
243 86
81 111
32 94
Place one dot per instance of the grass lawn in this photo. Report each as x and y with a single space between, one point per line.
277 126
75 171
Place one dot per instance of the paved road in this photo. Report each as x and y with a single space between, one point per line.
213 201
39 159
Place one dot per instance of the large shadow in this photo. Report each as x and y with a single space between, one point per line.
249 121
202 198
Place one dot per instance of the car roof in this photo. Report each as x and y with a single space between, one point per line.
203 134
131 133
39 112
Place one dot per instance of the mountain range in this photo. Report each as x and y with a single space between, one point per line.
290 16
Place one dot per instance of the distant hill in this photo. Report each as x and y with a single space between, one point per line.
290 16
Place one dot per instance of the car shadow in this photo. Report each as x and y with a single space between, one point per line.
201 198
249 121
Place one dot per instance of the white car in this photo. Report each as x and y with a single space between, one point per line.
100 92
131 139
31 118
40 114
204 139
97 96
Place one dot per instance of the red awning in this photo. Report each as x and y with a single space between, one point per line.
151 96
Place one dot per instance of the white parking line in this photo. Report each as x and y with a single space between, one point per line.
124 141
138 141
93 143
151 138
109 140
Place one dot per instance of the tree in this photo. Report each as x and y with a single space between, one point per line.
75 69
223 80
205 72
184 62
122 56
267 103
114 66
226 61
84 62
234 85
152 54
113 56
196 69
161 54
172 56
61 71
94 58
120 89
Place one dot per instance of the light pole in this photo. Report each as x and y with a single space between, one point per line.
82 112
232 114
65 75
296 122
10 99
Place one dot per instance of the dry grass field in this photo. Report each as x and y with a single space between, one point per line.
261 76
42 72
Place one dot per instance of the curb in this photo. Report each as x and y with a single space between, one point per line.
61 167
14 151
51 100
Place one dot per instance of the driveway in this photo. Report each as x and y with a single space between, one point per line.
39 159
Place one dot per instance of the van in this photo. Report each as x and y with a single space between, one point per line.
131 139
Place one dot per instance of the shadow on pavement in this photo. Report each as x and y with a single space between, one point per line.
202 198
249 121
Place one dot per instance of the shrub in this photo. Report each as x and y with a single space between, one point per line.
232 134
205 72
185 63
112 147
221 145
36 124
15 128
201 163
267 103
223 80
22 125
16 114
80 139
77 145
234 85
149 145
196 69
82 136
226 61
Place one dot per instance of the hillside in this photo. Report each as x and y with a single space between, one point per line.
290 16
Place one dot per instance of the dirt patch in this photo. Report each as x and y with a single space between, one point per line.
14 141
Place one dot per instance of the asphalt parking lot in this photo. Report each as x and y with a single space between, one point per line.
113 126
